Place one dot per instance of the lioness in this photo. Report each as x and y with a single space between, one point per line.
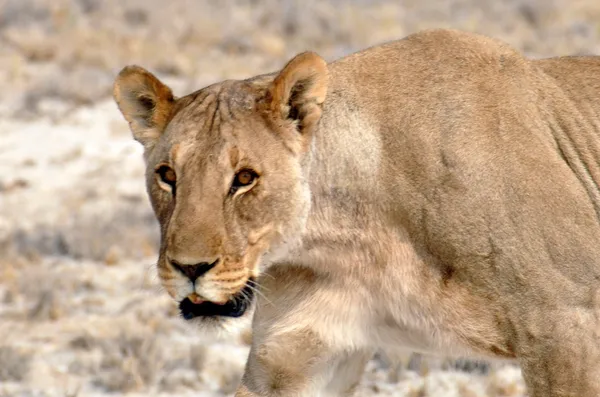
440 193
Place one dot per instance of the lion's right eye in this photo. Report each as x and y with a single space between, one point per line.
166 177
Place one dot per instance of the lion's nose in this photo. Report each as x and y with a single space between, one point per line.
193 272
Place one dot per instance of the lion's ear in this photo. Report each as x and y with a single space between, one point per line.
299 90
145 102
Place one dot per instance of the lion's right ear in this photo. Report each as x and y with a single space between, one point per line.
145 102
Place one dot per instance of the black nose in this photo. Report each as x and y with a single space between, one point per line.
194 271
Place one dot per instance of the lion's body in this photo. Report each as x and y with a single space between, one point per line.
448 201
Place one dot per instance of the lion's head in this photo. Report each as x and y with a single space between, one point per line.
227 177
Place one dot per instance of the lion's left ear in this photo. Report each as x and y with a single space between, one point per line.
299 90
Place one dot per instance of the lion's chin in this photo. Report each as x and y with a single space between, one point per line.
235 307
217 329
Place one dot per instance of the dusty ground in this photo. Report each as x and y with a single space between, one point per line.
81 312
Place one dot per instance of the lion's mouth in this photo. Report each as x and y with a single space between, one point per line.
236 306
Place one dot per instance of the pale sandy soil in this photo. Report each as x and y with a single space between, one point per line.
81 311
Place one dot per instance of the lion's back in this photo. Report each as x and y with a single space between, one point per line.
473 161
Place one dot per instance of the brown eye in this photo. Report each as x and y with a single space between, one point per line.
167 175
243 178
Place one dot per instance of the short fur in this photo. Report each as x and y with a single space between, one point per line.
439 193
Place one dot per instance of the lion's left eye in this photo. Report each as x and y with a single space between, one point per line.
243 178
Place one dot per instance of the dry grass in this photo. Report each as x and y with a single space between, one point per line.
498 386
130 363
14 364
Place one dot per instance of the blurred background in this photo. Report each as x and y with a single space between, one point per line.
81 311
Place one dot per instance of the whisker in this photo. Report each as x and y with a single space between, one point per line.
257 291
267 274
249 298
256 284
244 295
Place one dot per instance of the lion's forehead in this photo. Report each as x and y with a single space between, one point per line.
220 103
209 119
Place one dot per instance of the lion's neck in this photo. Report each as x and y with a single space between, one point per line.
346 197
346 152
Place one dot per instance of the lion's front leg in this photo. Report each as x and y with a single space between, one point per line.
297 364
561 356
298 348
288 364
347 373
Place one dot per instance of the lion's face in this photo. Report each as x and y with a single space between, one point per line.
227 177
225 189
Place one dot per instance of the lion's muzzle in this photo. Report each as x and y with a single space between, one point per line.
236 306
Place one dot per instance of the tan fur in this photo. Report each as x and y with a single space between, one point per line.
439 193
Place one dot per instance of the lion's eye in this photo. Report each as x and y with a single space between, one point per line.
167 176
243 178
